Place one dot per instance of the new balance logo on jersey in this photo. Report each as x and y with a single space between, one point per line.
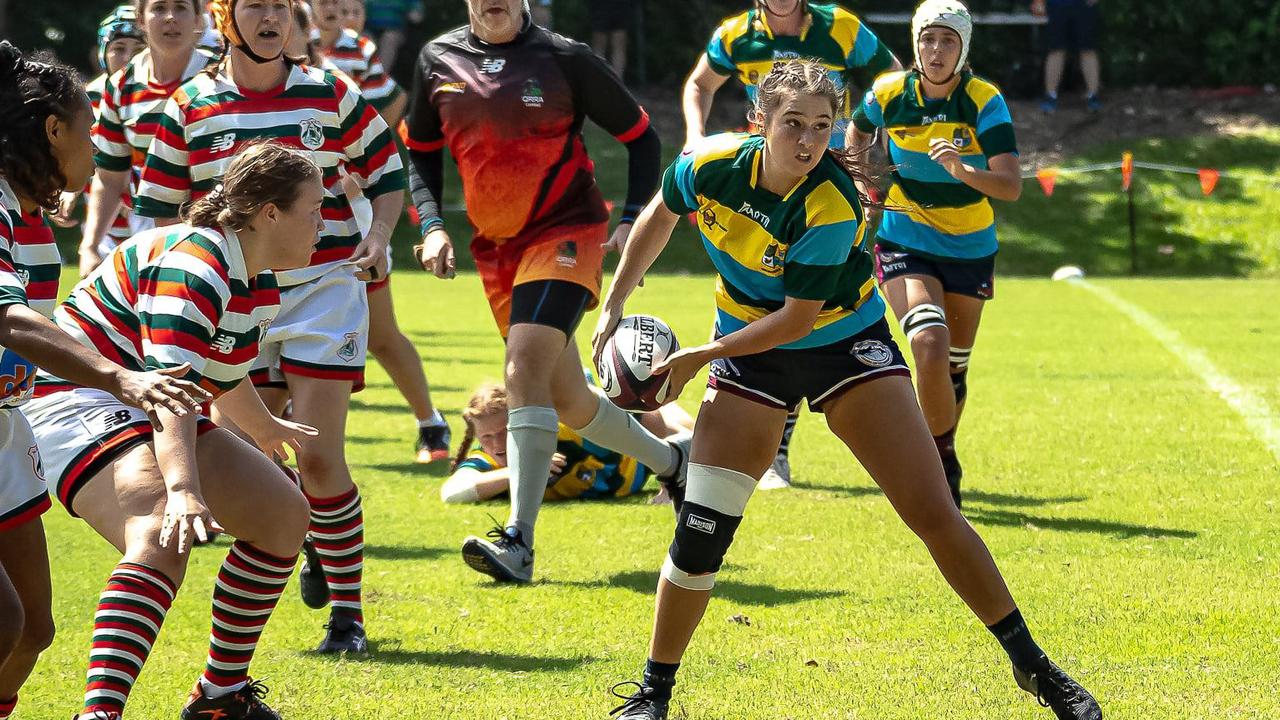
224 344
701 524
491 65
223 143
754 214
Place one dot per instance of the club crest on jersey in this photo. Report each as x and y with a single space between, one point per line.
872 353
774 256
567 254
312 134
709 219
491 65
960 138
531 96
348 350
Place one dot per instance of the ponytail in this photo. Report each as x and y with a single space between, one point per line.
464 448
262 173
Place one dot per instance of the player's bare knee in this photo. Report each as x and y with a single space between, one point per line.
37 634
11 631
288 526
322 466
931 348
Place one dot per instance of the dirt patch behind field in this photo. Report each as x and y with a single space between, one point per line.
1048 139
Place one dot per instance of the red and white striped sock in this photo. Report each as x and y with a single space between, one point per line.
130 613
7 706
245 594
337 531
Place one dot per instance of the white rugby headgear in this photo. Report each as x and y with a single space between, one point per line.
950 14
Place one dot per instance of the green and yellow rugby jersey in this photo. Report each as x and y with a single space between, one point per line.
745 46
927 210
807 244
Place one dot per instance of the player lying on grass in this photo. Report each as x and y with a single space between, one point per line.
44 151
201 294
952 147
580 469
798 318
539 228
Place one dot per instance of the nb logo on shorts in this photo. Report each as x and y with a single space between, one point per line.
701 524
224 344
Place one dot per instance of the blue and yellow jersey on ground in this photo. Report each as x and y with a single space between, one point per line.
744 45
927 210
591 472
808 244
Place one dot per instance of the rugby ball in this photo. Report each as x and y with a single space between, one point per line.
627 361
1068 272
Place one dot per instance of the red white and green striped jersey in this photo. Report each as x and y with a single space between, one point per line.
130 111
29 268
209 119
173 295
357 56
119 229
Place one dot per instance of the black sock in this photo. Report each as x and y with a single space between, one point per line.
785 446
660 677
1016 640
946 443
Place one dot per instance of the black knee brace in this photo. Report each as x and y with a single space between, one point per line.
702 538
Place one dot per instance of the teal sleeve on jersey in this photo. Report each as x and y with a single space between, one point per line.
718 55
995 128
868 115
677 186
477 462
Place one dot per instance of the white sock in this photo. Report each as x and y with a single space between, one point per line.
615 429
216 691
435 419
531 441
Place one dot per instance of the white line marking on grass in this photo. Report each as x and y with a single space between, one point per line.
1257 415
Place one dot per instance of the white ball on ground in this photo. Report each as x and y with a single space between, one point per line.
1068 272
625 370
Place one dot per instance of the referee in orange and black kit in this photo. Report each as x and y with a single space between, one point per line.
509 98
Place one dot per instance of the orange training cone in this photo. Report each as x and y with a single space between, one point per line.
1047 177
1208 180
1126 171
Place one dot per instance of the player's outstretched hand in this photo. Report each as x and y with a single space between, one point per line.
370 256
683 365
605 326
281 438
153 390
435 254
186 519
618 240
65 217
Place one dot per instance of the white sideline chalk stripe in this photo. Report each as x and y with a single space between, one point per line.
1257 415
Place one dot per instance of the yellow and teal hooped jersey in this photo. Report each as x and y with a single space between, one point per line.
591 471
808 244
745 46
928 211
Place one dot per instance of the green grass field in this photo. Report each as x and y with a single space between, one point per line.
1131 510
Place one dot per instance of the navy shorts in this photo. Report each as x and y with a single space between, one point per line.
1073 24
784 378
971 278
